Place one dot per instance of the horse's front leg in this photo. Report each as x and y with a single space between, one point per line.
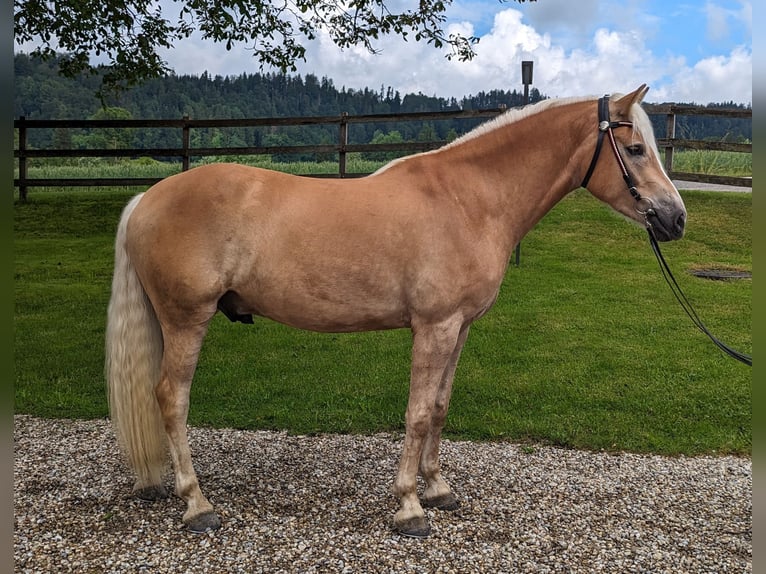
179 361
438 493
432 349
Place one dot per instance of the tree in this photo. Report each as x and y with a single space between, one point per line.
130 33
106 138
379 137
427 133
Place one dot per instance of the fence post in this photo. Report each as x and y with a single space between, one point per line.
185 144
670 133
22 159
343 142
527 67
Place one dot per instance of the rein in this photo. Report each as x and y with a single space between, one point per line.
606 126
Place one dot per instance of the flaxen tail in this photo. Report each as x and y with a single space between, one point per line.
133 356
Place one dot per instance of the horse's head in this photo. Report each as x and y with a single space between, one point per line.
626 171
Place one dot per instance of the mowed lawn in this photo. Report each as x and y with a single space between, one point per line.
586 346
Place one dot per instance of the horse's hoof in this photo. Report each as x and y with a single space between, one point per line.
442 502
205 522
416 527
151 493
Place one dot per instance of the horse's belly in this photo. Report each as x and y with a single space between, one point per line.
326 306
333 317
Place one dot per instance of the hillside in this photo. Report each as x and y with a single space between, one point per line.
40 93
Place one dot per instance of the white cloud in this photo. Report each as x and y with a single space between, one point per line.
721 20
195 56
745 16
717 21
714 79
568 59
609 61
564 17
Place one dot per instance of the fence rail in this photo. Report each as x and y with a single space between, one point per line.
670 143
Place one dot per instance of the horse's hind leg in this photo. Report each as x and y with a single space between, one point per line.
182 346
438 493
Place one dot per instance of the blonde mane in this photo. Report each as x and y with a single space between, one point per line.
511 116
641 124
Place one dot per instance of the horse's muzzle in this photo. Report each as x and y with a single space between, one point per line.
667 225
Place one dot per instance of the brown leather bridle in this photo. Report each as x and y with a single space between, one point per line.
606 126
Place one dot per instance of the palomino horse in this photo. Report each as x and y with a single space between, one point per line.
423 243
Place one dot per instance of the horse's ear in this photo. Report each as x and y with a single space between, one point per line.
635 97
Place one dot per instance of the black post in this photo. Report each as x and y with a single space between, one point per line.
342 143
526 79
22 160
185 142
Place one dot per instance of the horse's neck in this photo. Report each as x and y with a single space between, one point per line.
518 172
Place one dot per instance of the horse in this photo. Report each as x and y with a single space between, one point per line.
423 243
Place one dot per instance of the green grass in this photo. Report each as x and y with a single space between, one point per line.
714 162
585 347
147 167
689 161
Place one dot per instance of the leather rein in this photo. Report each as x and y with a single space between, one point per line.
644 206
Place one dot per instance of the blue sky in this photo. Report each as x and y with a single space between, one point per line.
692 29
691 51
700 42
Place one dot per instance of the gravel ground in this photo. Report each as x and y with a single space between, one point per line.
323 504
709 186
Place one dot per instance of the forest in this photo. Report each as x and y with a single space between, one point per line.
41 93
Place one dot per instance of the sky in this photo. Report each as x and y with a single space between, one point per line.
691 51
695 51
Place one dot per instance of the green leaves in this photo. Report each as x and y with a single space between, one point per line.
131 33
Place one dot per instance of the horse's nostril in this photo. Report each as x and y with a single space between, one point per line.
681 221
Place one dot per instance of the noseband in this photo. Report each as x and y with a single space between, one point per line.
606 126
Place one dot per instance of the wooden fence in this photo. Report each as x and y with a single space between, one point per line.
23 153
670 142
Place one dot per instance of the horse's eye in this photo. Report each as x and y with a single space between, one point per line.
635 149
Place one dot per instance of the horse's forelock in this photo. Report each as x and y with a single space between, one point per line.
642 126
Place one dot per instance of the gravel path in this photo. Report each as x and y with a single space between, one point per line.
323 504
710 186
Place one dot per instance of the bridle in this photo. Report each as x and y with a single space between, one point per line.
645 207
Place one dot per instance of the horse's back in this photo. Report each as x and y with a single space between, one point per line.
326 255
